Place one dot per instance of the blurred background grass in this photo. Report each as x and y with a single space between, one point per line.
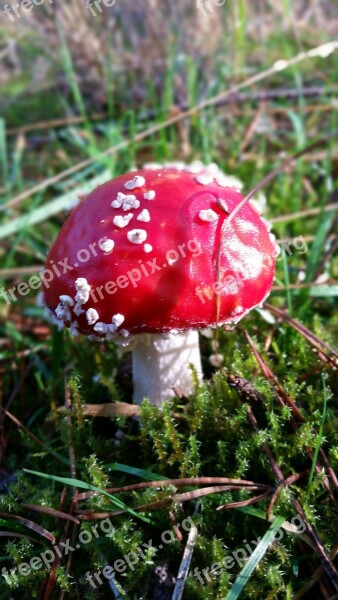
74 85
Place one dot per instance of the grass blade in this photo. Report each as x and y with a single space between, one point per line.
320 434
148 475
87 486
254 560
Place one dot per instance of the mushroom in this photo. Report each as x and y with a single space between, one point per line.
148 261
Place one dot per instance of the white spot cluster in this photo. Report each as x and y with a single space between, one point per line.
117 203
82 288
130 202
63 313
117 320
208 215
144 216
137 236
122 221
103 331
204 178
78 310
107 245
109 331
125 201
136 182
101 327
66 300
92 316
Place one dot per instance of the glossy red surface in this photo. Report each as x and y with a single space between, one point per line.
150 293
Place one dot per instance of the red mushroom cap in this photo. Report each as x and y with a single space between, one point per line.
141 256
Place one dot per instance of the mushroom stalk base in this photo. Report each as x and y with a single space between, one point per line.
161 366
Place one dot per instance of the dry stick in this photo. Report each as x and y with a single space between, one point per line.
322 50
185 564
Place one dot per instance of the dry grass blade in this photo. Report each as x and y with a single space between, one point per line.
89 515
31 525
242 503
210 490
16 535
52 512
235 483
116 409
288 481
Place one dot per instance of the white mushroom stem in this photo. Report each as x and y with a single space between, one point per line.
161 366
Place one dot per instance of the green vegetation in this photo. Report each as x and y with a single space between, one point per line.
272 408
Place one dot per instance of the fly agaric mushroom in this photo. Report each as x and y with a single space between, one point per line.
148 261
